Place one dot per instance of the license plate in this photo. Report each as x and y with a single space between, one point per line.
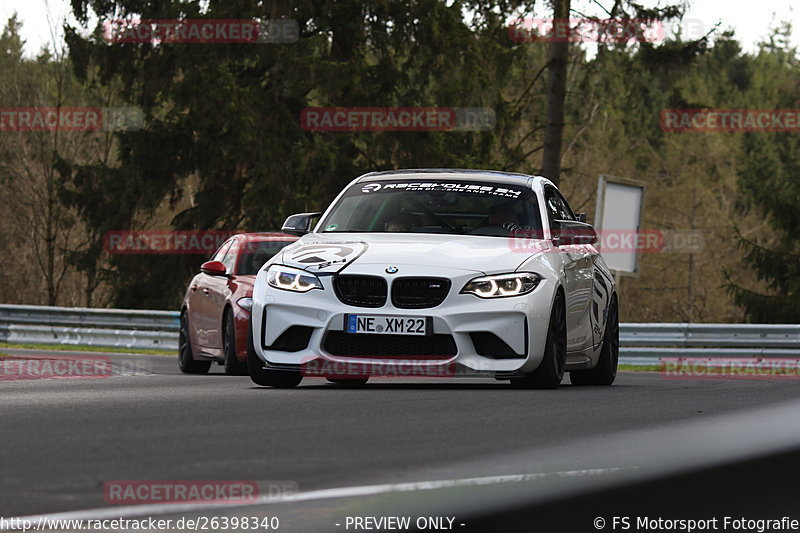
387 325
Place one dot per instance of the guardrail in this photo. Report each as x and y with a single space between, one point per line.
640 343
117 328
646 344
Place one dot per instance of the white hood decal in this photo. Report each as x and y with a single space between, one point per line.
328 254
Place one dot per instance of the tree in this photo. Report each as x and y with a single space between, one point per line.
223 148
556 92
625 18
27 163
223 143
770 188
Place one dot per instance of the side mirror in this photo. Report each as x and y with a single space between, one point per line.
570 232
581 217
299 224
213 268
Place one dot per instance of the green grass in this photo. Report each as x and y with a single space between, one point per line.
81 348
641 368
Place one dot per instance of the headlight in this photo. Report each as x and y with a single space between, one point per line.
245 303
502 285
292 279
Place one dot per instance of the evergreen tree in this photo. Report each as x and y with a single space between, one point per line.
223 120
770 185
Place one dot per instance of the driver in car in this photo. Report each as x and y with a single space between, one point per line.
402 223
259 258
503 215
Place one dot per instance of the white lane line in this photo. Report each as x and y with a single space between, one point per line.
129 511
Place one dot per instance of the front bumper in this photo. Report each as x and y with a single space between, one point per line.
453 350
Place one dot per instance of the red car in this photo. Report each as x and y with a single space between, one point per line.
216 309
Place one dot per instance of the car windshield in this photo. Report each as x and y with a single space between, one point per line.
435 206
255 254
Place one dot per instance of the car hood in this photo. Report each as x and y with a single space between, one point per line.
332 253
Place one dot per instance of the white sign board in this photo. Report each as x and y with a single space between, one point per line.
617 220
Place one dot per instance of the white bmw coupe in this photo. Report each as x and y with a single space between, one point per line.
437 273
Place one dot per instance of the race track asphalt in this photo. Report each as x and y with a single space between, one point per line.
63 440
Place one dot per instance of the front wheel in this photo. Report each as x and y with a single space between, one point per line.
281 379
606 370
551 370
233 367
186 362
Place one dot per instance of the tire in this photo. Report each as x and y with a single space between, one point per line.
351 382
606 370
233 367
186 362
551 370
281 379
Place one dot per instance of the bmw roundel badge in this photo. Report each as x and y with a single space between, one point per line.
391 269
